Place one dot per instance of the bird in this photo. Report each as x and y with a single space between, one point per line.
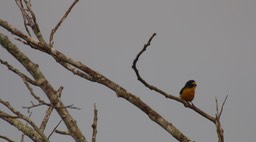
187 93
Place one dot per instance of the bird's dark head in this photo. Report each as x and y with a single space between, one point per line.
191 83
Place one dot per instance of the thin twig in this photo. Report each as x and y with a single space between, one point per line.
29 8
136 60
34 106
22 138
16 71
220 131
94 125
49 111
26 19
222 106
54 129
6 138
28 120
28 131
60 22
217 106
72 107
62 132
32 92
34 25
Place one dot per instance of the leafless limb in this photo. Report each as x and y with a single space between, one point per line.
8 116
60 22
28 131
26 19
121 92
35 26
34 106
215 120
6 138
46 118
222 106
54 129
32 92
27 119
219 129
49 111
23 135
75 70
43 83
22 138
72 107
16 71
151 87
62 132
81 69
97 77
29 18
94 125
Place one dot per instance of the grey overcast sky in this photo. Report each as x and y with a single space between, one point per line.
210 41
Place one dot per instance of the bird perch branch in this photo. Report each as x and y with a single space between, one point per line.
215 120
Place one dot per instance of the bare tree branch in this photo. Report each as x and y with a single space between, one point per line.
28 131
151 87
222 106
22 138
16 71
54 129
52 95
60 22
46 118
220 131
75 71
97 77
21 116
49 111
23 135
6 138
34 26
94 125
32 92
80 69
62 132
26 19
215 120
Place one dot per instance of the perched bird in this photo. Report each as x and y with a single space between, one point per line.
187 93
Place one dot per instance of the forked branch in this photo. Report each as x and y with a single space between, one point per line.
219 129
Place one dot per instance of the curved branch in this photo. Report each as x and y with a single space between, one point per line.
151 87
6 138
215 120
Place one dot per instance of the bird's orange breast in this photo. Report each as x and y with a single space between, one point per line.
188 94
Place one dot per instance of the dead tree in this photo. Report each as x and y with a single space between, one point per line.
34 39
